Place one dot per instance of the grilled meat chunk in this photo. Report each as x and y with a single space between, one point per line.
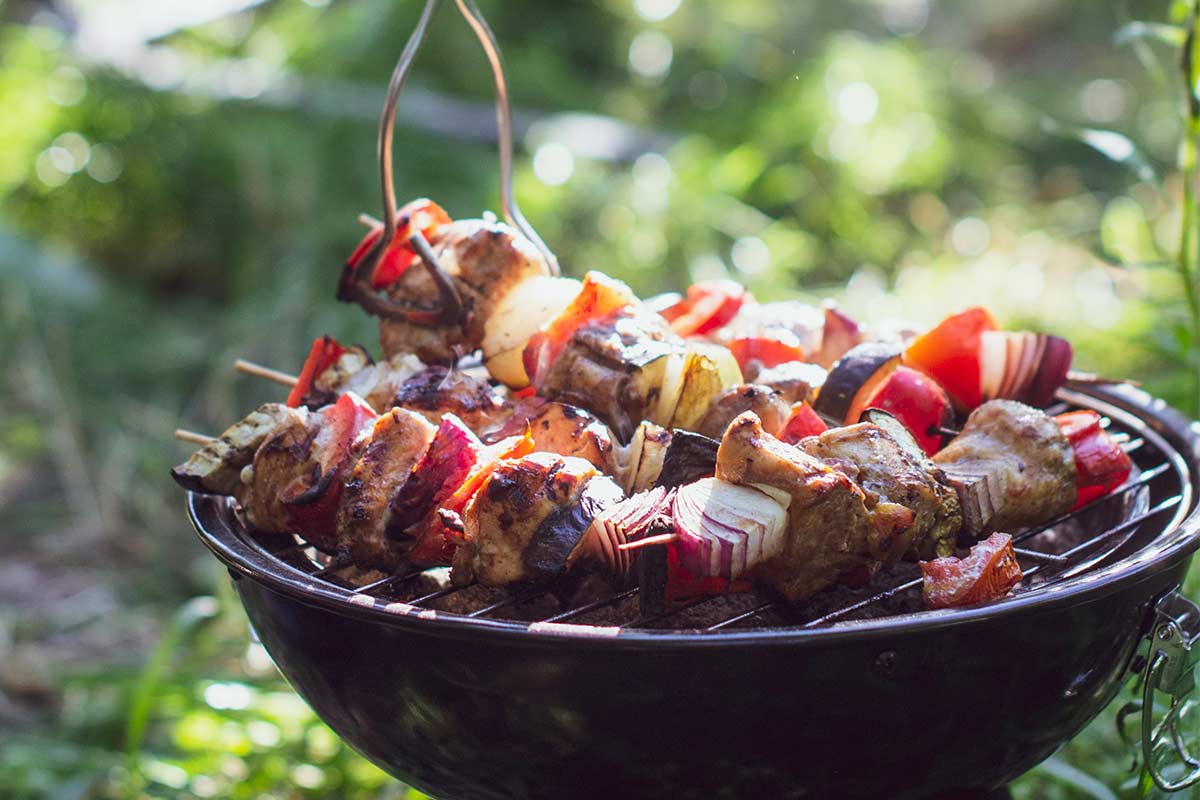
527 520
911 510
436 391
215 468
560 428
767 404
485 260
1012 467
828 522
613 367
281 464
796 381
397 441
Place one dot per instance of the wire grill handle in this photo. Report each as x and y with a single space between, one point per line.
1170 668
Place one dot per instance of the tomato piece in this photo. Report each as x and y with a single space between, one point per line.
1100 463
323 354
988 573
918 403
422 215
802 423
767 351
950 354
708 306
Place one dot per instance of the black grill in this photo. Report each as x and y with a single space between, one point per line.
1155 499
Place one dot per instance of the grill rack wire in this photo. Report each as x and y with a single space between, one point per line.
1158 493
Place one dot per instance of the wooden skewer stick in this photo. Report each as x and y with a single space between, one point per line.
665 538
259 371
1075 376
368 221
193 437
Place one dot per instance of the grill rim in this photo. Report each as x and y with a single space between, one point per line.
1178 438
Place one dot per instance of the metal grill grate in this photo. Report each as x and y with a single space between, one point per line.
1155 499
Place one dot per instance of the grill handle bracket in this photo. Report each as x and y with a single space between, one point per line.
1170 665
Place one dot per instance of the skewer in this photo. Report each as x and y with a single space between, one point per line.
193 437
259 371
368 221
662 538
1075 376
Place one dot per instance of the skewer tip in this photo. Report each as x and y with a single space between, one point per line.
193 437
665 538
259 371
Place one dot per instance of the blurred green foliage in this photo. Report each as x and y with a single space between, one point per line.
176 192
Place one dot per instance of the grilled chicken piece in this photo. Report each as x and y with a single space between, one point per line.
1012 467
397 441
485 260
528 519
438 390
215 468
562 429
613 367
281 470
909 507
796 381
828 521
767 404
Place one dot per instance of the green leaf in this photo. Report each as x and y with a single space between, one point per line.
1117 147
1158 31
1062 772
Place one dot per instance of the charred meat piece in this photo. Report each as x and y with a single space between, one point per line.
795 381
769 405
485 260
440 390
528 519
216 467
828 522
906 502
280 464
1012 467
560 428
397 441
613 367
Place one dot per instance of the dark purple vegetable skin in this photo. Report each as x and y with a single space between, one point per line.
560 532
850 374
690 457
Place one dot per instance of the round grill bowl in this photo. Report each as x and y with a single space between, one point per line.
911 706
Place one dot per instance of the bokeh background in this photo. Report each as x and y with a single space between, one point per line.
179 182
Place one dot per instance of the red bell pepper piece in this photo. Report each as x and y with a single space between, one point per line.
950 355
313 511
1100 463
988 573
683 585
802 423
767 351
422 215
918 402
708 306
599 297
323 354
436 541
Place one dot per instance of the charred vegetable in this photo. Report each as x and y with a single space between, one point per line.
854 379
988 573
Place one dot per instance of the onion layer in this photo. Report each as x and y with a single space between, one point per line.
726 530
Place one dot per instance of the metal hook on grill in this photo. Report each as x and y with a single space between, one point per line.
508 199
1170 668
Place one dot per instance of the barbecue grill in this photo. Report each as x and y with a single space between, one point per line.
861 695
